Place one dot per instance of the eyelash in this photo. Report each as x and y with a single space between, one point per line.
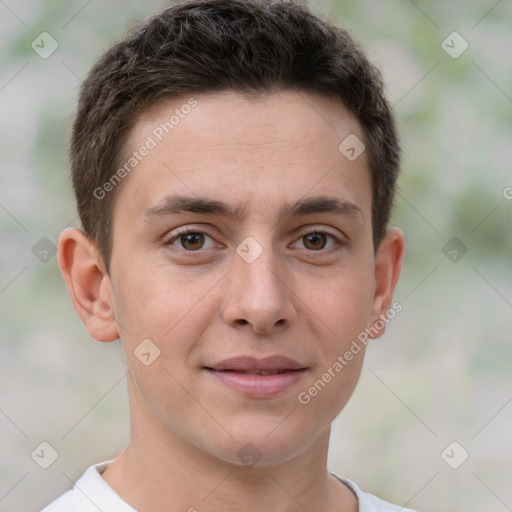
338 243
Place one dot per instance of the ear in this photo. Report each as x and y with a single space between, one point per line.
88 284
388 264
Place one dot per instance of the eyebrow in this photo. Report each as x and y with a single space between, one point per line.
177 204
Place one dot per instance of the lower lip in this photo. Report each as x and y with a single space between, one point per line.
259 386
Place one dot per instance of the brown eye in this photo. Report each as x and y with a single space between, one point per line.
192 241
319 241
314 240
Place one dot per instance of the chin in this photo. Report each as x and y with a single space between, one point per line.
263 444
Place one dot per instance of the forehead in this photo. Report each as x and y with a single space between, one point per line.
251 119
253 150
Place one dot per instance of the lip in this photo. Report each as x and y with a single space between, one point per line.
243 374
251 364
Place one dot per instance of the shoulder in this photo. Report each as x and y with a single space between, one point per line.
370 503
90 494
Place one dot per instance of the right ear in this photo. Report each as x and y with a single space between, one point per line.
88 284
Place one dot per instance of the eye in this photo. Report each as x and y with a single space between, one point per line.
193 240
317 240
190 240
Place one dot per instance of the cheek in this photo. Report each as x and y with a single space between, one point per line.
344 304
168 308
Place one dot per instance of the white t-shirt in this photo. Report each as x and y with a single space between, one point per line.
91 493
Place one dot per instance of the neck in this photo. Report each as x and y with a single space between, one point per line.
162 471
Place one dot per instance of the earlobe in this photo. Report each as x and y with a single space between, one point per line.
88 284
388 264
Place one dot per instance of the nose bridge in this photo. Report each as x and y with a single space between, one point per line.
257 268
258 295
263 272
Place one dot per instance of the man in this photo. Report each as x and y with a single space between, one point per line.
234 164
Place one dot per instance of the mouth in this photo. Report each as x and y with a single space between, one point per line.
258 378
258 372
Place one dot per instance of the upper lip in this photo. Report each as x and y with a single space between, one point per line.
253 364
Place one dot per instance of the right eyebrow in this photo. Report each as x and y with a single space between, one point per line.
175 204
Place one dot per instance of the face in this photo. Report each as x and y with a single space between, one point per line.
243 247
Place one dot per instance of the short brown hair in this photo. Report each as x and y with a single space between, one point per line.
205 46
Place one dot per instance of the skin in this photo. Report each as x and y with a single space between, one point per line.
297 299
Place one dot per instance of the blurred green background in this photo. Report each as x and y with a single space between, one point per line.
442 372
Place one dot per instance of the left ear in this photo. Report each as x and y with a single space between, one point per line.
388 264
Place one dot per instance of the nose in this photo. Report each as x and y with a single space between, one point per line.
259 296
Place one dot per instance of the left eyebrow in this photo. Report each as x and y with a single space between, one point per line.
177 204
321 204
